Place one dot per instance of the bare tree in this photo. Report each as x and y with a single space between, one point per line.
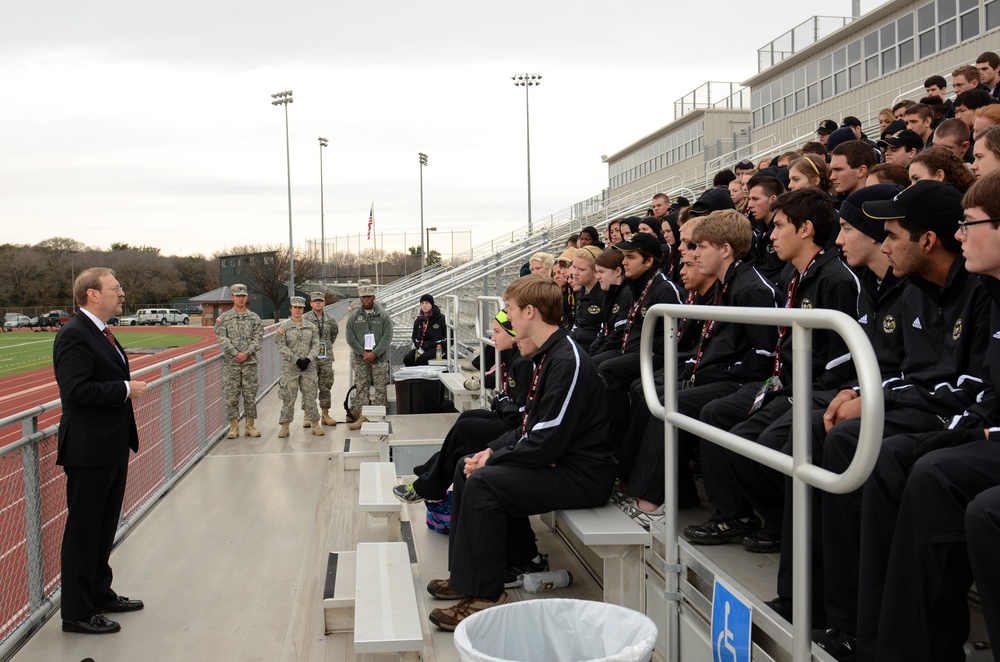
266 269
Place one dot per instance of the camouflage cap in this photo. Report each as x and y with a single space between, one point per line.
238 289
317 296
365 288
299 302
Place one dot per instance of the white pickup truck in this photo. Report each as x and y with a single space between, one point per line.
162 316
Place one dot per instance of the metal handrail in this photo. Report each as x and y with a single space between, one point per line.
483 304
799 466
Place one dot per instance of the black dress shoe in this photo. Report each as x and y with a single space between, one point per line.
96 625
121 604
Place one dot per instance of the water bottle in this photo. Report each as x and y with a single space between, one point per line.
438 354
536 582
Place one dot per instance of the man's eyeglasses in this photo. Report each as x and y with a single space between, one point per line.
118 289
964 225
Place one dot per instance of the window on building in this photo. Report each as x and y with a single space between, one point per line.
993 15
948 34
970 24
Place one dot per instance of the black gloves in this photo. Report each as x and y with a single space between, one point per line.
945 439
302 363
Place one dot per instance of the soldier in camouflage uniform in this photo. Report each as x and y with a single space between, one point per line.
298 345
240 333
328 332
369 332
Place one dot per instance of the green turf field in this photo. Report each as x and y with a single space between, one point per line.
22 351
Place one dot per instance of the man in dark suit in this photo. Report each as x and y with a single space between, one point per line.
96 431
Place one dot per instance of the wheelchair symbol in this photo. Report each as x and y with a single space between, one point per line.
726 639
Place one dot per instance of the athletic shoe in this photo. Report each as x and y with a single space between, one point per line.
406 493
720 533
512 575
441 589
837 644
641 517
762 543
449 618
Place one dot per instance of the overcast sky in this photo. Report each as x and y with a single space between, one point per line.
152 124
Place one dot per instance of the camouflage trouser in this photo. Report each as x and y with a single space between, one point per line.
367 375
292 381
240 378
324 375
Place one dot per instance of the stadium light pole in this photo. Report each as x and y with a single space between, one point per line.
283 99
526 81
423 163
322 223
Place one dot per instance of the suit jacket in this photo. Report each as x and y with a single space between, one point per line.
97 427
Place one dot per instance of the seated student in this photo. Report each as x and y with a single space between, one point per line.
849 164
968 102
810 170
919 119
559 457
947 502
588 316
429 332
589 237
619 366
762 191
986 152
888 173
541 263
901 147
477 427
879 311
727 356
944 322
986 117
803 223
955 136
616 303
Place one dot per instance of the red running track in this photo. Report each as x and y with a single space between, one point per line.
30 389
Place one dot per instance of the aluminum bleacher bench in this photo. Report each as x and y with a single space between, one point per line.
463 398
386 617
338 592
375 495
619 542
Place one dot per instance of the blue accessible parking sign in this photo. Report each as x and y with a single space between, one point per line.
731 617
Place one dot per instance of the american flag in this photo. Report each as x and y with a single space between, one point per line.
371 221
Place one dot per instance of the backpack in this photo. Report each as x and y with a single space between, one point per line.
439 515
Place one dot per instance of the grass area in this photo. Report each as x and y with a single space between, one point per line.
23 351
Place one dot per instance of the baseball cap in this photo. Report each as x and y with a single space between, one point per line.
905 138
851 120
826 126
930 204
714 199
641 241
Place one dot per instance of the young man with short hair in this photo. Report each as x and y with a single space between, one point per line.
919 119
968 102
849 165
803 222
965 78
559 457
954 482
945 313
761 192
899 108
660 206
954 136
989 72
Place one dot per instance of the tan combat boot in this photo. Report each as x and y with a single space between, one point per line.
249 429
326 418
283 432
317 430
234 428
306 423
356 425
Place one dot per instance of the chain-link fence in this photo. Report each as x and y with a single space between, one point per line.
179 419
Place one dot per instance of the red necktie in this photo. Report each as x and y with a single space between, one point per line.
111 338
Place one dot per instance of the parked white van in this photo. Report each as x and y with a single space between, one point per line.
162 316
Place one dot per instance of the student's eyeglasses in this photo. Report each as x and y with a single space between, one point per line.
963 226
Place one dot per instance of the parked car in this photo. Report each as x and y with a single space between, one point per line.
127 320
162 316
54 318
113 321
193 310
16 321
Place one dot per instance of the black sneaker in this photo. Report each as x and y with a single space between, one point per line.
762 543
720 533
837 644
512 575
407 494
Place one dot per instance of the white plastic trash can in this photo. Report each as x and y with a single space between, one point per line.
556 630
